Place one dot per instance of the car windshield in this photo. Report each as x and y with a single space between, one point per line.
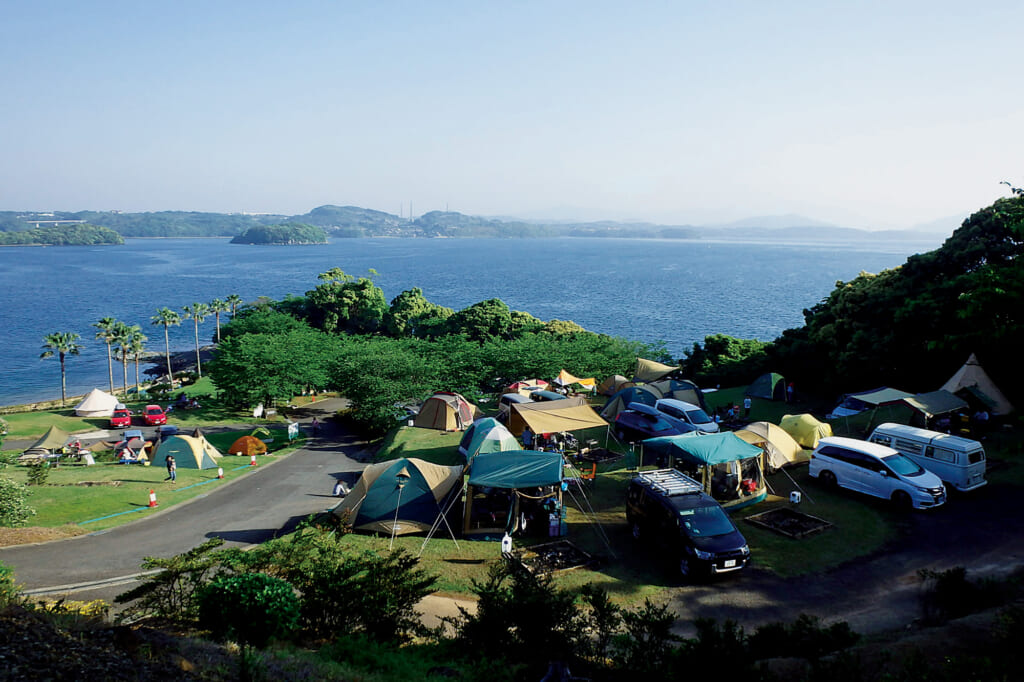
705 522
698 416
902 465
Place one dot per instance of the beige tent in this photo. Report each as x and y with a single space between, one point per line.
649 370
805 429
554 416
53 440
96 404
566 379
613 385
446 411
973 378
780 447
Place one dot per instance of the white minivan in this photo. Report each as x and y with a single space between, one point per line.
960 462
876 470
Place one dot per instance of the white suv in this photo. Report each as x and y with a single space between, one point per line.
876 470
690 416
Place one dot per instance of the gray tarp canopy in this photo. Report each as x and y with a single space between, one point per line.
936 403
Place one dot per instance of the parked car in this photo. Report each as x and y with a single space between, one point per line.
692 416
959 462
154 415
876 470
121 417
672 511
640 422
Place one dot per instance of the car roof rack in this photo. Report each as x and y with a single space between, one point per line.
670 482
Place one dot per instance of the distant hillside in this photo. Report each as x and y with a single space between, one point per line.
79 234
159 224
289 233
352 221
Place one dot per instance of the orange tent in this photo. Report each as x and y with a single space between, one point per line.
248 445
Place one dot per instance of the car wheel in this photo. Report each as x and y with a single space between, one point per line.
828 479
635 531
902 500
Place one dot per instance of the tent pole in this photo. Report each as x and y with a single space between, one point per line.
797 485
394 525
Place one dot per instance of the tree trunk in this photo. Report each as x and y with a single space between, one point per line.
167 345
63 382
137 383
124 369
110 368
218 326
199 366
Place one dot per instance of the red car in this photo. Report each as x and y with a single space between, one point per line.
121 418
154 415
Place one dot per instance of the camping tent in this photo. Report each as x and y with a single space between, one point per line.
936 403
189 453
680 389
731 470
645 395
649 370
525 386
613 385
972 380
53 440
770 386
248 445
494 501
805 429
487 435
400 496
96 404
778 445
554 416
566 379
446 411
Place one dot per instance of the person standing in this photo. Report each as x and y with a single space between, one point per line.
316 425
172 469
527 438
747 404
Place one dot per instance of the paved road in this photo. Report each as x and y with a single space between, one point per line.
254 508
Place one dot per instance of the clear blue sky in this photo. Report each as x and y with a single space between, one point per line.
866 114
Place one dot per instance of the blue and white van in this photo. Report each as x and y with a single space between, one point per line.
960 462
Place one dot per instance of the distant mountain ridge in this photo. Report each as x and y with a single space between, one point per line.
355 222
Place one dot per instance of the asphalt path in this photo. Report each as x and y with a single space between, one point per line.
256 507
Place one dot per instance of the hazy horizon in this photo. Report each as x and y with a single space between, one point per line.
879 116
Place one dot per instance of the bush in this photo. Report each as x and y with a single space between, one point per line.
171 592
251 608
9 592
38 472
14 508
949 594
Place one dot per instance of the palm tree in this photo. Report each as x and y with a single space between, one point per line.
168 318
137 346
234 300
122 334
218 306
105 334
62 344
197 313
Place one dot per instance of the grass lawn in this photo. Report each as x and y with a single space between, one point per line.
438 447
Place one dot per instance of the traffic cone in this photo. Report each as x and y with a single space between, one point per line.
220 472
152 498
252 460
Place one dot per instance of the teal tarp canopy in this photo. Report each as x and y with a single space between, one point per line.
487 435
769 386
524 469
702 450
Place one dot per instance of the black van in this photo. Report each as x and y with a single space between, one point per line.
672 511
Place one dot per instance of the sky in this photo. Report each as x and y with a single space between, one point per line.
869 114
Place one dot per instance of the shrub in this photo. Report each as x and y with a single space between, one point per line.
38 472
14 508
9 592
171 592
251 608
949 594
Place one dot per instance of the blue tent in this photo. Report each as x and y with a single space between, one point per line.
731 469
493 505
523 469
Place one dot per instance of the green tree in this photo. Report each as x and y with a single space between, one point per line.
483 320
167 318
106 334
61 344
137 346
197 312
250 608
123 336
218 306
411 314
343 303
14 508
234 300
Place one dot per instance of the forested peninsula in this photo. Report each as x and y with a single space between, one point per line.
81 234
289 233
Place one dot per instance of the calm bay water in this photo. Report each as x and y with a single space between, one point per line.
650 290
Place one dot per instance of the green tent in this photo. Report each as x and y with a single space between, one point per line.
400 496
508 492
53 440
730 469
487 435
524 469
189 453
770 386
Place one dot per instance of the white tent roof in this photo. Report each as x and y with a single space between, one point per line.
96 404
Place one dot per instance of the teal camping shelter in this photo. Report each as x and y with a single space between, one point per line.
770 386
507 490
487 435
731 470
190 452
400 496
